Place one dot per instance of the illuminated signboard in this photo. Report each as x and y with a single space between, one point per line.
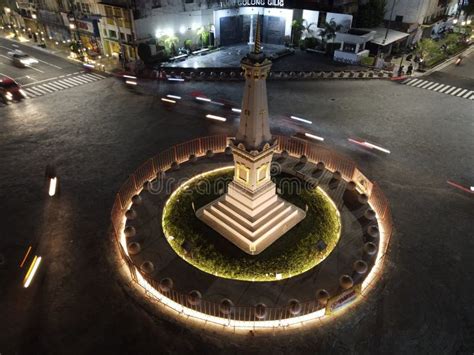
343 299
263 3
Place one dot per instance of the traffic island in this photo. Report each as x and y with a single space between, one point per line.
345 277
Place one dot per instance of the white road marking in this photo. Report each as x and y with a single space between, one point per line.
439 87
452 88
98 75
34 91
466 95
31 93
455 92
42 87
462 92
62 86
54 66
84 81
445 88
413 82
74 81
65 82
86 78
41 81
431 86
92 77
55 85
424 86
422 82
31 67
41 90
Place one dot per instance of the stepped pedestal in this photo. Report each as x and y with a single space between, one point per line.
251 222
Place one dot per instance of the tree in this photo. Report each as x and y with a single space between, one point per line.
203 35
297 29
328 32
170 42
371 14
307 30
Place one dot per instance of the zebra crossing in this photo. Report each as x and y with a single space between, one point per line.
441 88
61 83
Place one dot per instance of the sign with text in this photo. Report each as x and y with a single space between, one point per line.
261 3
343 299
85 26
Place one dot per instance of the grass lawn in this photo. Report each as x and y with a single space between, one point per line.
295 252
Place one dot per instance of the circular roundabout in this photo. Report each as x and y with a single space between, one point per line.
328 261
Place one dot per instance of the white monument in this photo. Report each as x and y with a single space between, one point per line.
251 215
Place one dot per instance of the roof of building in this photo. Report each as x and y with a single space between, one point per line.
392 36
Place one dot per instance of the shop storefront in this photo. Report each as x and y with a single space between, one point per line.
236 25
88 31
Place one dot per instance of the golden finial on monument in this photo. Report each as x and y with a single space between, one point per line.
257 48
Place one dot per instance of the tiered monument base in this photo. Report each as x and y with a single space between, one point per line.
252 221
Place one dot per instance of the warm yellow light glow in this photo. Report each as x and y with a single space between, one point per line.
26 256
52 186
168 100
242 173
31 271
312 136
217 118
316 317
262 173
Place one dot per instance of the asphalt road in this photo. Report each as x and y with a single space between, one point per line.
461 75
97 134
49 66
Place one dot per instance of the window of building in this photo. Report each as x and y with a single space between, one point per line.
117 12
86 8
108 11
112 34
398 18
122 36
105 32
129 38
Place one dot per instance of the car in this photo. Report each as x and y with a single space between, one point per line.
21 59
10 90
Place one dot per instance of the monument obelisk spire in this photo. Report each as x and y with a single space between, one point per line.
254 129
251 214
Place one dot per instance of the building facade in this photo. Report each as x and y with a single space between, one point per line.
231 22
117 29
417 17
85 26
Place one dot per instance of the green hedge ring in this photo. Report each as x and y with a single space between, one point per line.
299 250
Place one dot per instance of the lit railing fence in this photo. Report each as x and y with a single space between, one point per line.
217 144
